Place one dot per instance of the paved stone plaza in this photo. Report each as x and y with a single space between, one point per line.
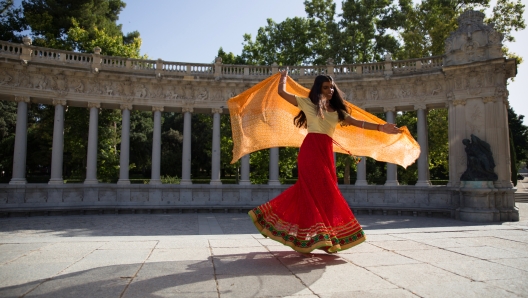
221 255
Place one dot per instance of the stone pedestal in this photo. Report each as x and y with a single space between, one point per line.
477 202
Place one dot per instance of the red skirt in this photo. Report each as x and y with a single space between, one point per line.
312 214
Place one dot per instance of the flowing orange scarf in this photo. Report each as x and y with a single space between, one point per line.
261 119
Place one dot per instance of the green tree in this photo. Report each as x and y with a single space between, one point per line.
230 58
519 135
7 138
507 17
11 24
438 142
364 30
141 127
111 45
51 20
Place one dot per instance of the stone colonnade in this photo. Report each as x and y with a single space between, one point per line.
91 168
470 80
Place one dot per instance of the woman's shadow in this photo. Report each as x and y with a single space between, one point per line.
275 273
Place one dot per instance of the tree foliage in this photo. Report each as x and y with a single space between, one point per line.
519 135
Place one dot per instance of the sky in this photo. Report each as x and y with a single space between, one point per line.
193 31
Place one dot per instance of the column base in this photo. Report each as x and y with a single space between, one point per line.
91 181
509 214
56 181
155 182
503 184
244 182
186 182
392 183
361 183
18 181
215 182
478 215
423 183
274 182
123 181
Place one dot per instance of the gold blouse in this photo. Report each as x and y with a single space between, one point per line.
326 125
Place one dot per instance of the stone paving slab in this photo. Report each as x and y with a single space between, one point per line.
222 255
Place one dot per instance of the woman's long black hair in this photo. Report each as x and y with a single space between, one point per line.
336 102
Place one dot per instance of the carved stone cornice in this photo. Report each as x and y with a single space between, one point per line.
389 109
94 105
61 102
25 99
125 106
157 109
216 110
187 110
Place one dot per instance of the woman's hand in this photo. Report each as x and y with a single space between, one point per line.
282 88
284 75
389 128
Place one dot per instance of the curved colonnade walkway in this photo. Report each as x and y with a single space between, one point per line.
470 81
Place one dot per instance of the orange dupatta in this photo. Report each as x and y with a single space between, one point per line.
261 119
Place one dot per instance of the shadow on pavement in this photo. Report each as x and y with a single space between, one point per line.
249 275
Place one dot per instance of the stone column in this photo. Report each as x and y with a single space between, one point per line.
274 167
362 172
423 159
186 154
19 157
57 151
457 132
498 136
91 163
215 156
244 169
392 174
124 154
156 147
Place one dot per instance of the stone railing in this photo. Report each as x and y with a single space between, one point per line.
97 62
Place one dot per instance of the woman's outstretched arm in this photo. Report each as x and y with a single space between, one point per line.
386 128
282 88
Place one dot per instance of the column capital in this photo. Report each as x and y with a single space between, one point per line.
389 109
187 109
22 99
488 99
216 110
420 106
94 105
457 102
125 106
157 109
57 102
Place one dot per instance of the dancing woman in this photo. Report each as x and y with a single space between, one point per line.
312 214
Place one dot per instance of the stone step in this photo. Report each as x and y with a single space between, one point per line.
521 197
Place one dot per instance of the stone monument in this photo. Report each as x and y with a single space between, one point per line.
477 199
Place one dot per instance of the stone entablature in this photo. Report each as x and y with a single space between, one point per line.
44 74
